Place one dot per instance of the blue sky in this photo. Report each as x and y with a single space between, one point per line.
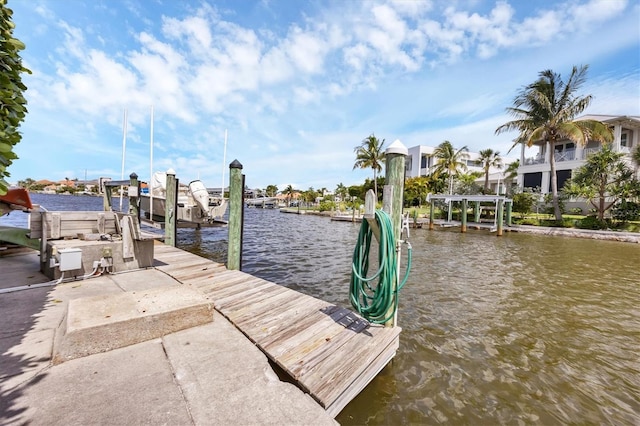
297 84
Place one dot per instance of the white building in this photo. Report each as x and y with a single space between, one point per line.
535 169
420 162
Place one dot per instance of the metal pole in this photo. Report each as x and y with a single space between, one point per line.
236 205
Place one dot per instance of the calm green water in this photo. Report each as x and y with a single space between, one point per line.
519 329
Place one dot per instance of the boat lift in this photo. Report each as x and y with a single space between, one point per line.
501 203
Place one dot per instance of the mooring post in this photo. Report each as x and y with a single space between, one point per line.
509 208
134 200
432 214
106 199
236 213
499 214
476 212
395 157
463 228
171 210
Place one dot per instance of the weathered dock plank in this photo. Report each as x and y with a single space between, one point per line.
331 352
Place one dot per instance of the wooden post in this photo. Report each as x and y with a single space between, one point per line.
395 157
499 217
134 200
171 209
509 208
463 228
236 192
476 212
432 214
106 199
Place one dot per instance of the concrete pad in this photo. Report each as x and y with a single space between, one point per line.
102 323
225 377
132 385
136 281
24 359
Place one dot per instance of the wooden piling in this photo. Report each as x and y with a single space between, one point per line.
395 156
509 208
463 228
236 205
432 215
134 199
499 214
171 210
476 212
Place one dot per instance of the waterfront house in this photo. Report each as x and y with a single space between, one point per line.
535 170
420 162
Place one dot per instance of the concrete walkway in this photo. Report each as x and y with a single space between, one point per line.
208 374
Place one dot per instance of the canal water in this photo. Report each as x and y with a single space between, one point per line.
520 329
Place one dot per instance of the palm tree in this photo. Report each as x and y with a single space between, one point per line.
288 191
369 154
510 174
489 158
545 111
449 161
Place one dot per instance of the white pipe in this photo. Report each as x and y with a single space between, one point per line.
151 169
124 150
224 160
51 283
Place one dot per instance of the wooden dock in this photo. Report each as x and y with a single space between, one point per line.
329 351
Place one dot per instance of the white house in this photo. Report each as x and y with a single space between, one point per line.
534 170
420 163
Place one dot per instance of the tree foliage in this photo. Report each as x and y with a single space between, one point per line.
489 158
450 162
545 111
370 155
603 180
12 102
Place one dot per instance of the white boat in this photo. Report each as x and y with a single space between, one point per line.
262 202
195 205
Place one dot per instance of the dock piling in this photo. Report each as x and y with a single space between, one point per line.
134 200
236 213
171 209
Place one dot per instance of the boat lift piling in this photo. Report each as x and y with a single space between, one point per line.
500 201
171 209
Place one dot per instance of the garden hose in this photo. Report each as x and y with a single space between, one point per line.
377 303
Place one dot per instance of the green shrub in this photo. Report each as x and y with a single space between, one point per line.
591 222
327 206
626 211
576 210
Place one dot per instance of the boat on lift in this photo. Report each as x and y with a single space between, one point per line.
195 204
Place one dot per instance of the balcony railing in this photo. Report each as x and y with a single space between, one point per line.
566 155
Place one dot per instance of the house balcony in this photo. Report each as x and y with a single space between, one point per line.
566 155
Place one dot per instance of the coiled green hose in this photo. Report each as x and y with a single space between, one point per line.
373 301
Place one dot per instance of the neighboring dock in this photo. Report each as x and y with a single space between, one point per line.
195 375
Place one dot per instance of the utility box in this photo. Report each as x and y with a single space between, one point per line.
70 259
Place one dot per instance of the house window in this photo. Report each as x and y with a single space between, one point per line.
624 139
424 162
533 180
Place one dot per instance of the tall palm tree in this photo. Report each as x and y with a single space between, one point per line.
545 111
489 158
369 154
449 161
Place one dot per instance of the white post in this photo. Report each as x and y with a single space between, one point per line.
151 168
124 150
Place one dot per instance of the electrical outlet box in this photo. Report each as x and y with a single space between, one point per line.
70 259
107 252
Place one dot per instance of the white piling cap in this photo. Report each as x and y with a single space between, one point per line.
171 172
397 147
